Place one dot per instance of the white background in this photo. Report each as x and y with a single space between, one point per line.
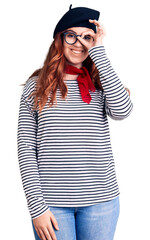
26 34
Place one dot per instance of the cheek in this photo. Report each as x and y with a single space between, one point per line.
67 54
86 54
65 49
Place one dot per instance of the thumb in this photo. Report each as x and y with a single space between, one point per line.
54 221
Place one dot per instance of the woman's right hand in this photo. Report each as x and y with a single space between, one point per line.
43 226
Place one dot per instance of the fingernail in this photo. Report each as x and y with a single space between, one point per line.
57 227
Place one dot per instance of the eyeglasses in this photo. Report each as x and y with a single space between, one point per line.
71 38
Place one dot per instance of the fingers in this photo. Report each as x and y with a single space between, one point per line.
43 226
54 221
38 233
100 33
87 44
97 37
84 43
46 233
100 27
44 236
88 32
128 91
97 23
49 235
50 232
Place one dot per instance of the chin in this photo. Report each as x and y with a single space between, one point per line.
75 64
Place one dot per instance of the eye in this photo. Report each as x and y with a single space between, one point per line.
70 35
87 37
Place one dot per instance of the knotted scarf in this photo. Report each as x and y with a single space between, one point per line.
84 81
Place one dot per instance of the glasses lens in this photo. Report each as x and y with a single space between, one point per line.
70 38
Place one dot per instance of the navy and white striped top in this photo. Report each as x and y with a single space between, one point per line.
65 156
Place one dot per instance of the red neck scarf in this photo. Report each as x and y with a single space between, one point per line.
84 81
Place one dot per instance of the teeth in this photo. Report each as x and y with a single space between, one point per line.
75 51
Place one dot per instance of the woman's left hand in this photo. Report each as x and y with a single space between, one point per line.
98 36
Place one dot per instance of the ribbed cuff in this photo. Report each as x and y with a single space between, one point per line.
39 213
101 48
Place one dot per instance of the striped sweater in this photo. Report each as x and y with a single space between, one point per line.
64 153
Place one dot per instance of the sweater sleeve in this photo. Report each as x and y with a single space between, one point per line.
118 104
27 156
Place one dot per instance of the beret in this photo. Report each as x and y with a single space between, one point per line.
77 17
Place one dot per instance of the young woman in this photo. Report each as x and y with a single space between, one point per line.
64 149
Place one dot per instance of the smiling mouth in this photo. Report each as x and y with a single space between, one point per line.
77 51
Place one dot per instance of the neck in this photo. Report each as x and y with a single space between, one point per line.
70 77
77 65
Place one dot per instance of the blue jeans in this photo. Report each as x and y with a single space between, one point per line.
96 222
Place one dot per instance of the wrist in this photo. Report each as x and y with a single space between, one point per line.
98 43
100 48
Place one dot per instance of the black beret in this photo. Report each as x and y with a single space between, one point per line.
77 17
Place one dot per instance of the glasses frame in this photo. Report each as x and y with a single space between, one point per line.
65 33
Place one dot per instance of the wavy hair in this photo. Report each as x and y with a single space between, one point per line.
50 76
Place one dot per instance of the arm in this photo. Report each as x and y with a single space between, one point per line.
117 101
27 156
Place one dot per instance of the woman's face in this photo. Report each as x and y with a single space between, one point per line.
76 53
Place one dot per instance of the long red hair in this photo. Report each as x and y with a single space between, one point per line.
50 76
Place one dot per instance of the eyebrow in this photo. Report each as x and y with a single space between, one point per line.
71 31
